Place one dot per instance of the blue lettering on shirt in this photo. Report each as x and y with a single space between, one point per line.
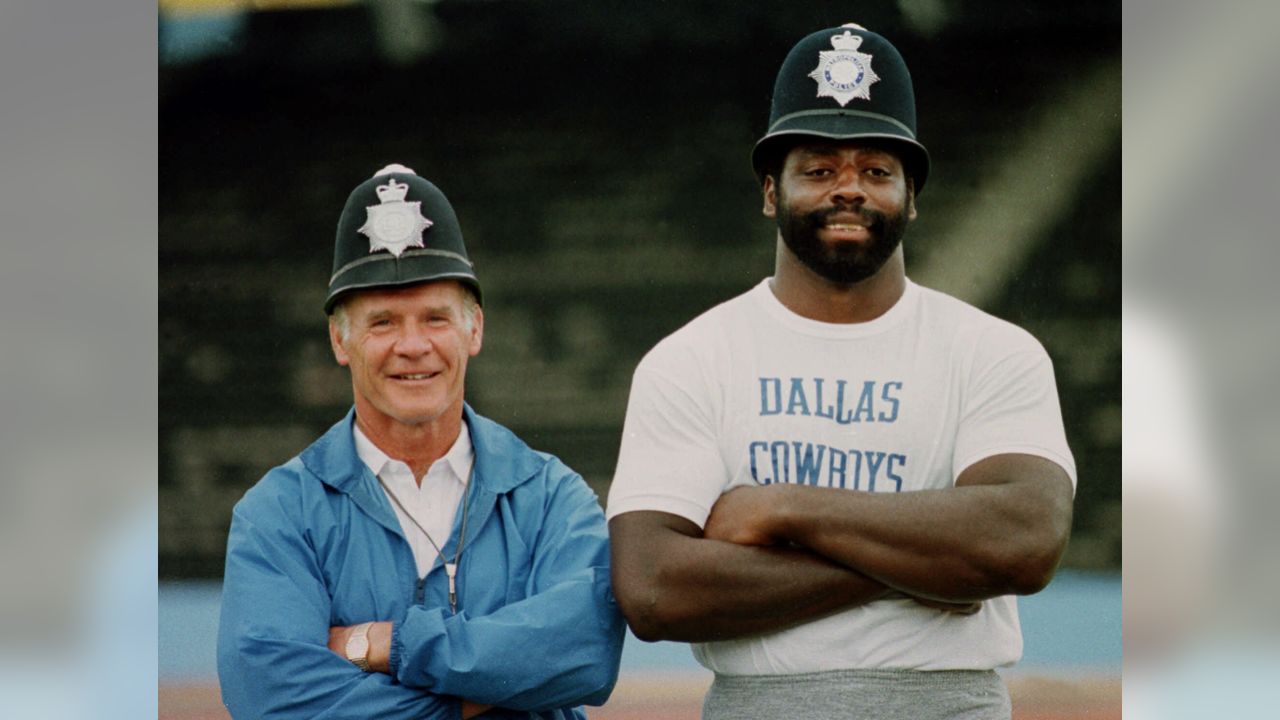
899 459
874 459
841 417
765 385
829 412
751 450
783 475
797 399
857 468
838 463
808 397
820 465
807 467
864 411
891 399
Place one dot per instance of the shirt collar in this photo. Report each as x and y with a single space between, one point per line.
460 456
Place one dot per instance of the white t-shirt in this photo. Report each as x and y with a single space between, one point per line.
749 392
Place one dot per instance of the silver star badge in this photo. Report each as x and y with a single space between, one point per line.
844 73
394 225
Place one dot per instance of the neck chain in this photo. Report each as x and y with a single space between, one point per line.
450 568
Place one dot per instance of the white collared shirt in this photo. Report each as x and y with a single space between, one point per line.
434 503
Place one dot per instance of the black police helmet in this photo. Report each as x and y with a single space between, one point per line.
397 229
844 83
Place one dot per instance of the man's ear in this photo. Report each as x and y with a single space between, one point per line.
911 199
770 190
477 333
335 342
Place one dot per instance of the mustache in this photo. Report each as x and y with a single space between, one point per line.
874 220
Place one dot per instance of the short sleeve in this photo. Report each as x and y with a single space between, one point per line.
670 457
1011 405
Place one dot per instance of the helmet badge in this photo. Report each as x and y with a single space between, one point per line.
844 73
394 225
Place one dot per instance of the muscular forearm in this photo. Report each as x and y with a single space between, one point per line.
719 591
970 542
949 553
672 584
980 539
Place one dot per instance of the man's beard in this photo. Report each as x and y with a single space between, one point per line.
844 262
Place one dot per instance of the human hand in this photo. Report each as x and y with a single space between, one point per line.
742 516
379 644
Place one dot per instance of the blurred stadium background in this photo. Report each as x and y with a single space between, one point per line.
596 153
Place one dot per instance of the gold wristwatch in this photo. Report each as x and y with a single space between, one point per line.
358 646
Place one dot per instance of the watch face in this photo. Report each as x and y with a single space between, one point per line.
358 644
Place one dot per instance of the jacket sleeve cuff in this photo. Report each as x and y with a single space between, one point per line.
393 658
420 654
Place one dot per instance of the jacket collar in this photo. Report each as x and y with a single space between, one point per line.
503 461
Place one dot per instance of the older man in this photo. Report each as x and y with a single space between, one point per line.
418 560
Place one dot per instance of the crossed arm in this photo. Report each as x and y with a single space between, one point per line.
279 656
272 660
674 584
380 656
771 557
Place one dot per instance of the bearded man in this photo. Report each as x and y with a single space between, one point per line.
835 484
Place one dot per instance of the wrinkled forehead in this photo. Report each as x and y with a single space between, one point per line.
435 295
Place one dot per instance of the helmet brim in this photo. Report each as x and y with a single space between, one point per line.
844 125
415 266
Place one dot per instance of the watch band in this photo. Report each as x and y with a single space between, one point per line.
358 646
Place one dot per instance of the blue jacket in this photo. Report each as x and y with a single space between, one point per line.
316 543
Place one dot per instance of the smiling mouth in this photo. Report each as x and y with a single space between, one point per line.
415 376
846 231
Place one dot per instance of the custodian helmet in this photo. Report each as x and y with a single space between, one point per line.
397 229
844 83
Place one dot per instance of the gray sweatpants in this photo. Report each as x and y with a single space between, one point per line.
860 695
